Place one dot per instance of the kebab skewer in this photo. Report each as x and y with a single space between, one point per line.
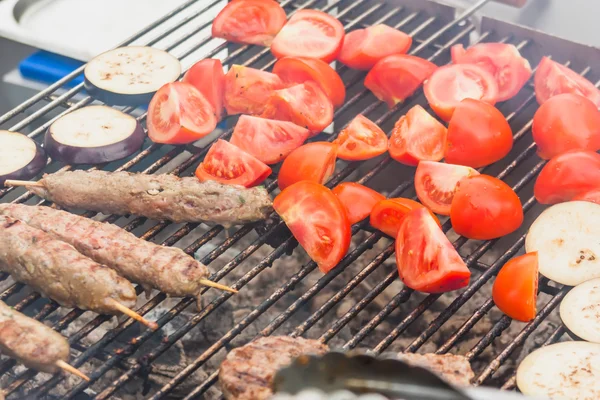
58 271
33 343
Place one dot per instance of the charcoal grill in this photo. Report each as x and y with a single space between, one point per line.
359 288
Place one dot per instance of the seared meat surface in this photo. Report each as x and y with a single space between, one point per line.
58 271
452 368
159 197
247 372
31 342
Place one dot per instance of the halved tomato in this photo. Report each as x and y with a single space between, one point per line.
451 84
426 259
436 183
593 196
362 48
317 220
310 33
268 140
387 215
552 78
362 139
502 60
568 175
305 105
313 162
417 136
227 164
249 21
358 200
179 114
208 77
566 122
478 135
248 89
485 208
294 70
516 286
396 77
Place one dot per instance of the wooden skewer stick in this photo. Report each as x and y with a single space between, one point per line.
132 314
216 285
72 370
13 182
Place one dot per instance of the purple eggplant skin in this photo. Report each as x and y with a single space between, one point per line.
117 99
35 166
94 155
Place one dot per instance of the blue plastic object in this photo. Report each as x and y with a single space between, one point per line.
48 67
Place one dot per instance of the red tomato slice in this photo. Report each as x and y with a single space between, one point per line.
249 22
388 214
502 60
426 259
362 139
227 164
485 208
568 175
593 196
451 84
516 286
478 135
179 114
362 48
552 78
358 200
295 70
305 105
396 77
247 89
313 162
268 140
566 122
207 76
310 33
436 183
417 136
317 220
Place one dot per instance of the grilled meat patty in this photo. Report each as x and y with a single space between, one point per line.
248 371
454 369
159 197
31 342
167 269
58 271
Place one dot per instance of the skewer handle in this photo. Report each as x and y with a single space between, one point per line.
132 314
14 182
216 285
72 370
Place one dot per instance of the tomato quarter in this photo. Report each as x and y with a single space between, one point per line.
268 140
451 84
485 208
362 48
502 60
478 135
396 77
317 220
179 114
310 33
207 76
295 70
249 21
227 164
387 215
426 259
313 162
568 175
358 200
436 182
593 196
566 122
362 139
515 288
247 89
417 136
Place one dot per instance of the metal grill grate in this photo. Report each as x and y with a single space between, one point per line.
363 288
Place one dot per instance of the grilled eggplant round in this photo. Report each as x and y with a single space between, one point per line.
20 157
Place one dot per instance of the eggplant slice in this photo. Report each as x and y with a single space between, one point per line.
579 311
20 157
94 135
129 76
